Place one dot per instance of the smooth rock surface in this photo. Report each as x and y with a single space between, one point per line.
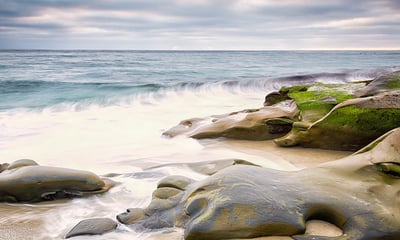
92 226
356 194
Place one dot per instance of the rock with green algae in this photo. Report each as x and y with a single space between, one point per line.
26 181
358 194
265 123
349 125
314 101
384 83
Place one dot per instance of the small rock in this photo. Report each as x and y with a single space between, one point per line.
92 226
329 99
174 181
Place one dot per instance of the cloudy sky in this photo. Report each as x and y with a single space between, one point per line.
200 24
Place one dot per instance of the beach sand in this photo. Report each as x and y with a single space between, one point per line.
298 157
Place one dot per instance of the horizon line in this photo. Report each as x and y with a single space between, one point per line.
196 50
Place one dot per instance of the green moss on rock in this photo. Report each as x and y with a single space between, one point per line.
393 80
395 84
363 119
316 101
350 125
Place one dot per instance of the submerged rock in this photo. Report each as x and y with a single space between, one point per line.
26 181
209 167
255 124
92 226
348 126
358 194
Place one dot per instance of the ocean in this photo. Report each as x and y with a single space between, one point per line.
105 111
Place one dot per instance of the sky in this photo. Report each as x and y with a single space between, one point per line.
200 24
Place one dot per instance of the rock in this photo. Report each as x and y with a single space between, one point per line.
206 167
3 167
165 192
131 216
22 163
274 98
251 124
92 226
384 83
25 181
329 99
356 194
178 182
315 101
348 126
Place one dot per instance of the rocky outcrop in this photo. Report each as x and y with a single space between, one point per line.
384 83
357 194
26 181
265 123
348 126
313 115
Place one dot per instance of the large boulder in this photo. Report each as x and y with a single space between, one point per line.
350 125
358 194
26 181
265 123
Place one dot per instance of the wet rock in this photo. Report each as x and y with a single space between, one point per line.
250 124
92 226
274 98
315 101
131 216
208 167
348 126
166 192
22 163
384 83
329 99
356 194
26 181
174 181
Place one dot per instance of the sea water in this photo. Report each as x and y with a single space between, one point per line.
105 111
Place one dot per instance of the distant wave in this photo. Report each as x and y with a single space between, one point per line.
276 83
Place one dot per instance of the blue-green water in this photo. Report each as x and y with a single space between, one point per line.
38 79
105 111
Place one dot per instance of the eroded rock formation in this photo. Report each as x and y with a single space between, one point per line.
26 181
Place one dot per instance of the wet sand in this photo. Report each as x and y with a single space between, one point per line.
298 157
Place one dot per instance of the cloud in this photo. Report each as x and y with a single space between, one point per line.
199 24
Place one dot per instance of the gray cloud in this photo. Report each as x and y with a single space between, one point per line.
199 24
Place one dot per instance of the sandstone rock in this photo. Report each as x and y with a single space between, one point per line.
274 98
178 182
92 226
384 83
251 124
348 126
204 167
357 194
25 181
